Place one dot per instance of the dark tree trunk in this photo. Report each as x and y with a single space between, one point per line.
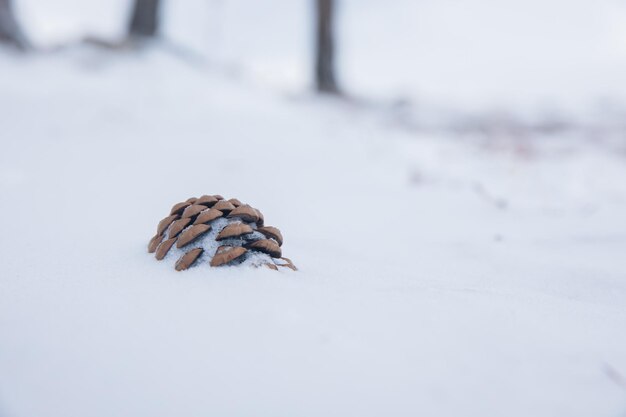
144 21
325 79
10 32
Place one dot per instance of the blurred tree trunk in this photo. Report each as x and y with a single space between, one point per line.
10 32
325 79
144 21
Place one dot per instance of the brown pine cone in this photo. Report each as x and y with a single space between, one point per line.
217 232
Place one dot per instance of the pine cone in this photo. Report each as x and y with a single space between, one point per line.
218 232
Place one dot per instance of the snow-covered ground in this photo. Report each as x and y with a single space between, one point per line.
439 275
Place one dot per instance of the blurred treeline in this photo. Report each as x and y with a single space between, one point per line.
144 23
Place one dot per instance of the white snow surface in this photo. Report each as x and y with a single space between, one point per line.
439 276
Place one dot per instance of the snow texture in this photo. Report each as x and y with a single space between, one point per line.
439 275
208 243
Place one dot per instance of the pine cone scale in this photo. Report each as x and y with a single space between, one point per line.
155 242
208 215
207 200
193 210
267 246
227 254
178 226
273 233
246 213
191 234
178 208
165 223
234 230
188 259
164 247
224 206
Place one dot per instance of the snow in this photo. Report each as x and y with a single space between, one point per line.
209 245
439 275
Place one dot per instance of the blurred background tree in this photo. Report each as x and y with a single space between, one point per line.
10 31
325 78
144 21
